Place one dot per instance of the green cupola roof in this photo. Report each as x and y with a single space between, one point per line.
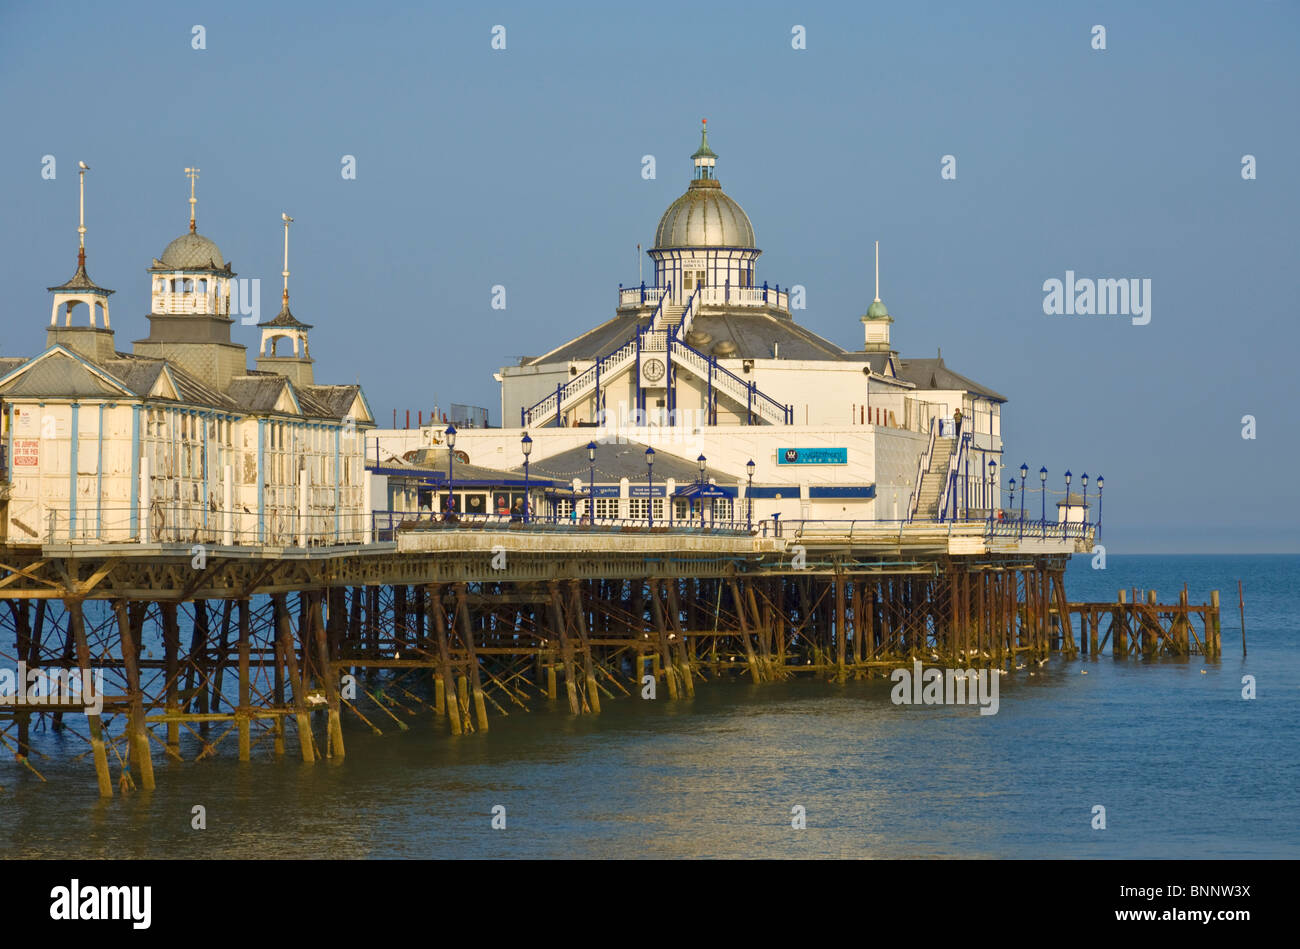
877 311
704 151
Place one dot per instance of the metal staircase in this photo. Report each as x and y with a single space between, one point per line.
934 481
665 333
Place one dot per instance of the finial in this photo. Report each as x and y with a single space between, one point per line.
81 220
285 273
193 174
877 272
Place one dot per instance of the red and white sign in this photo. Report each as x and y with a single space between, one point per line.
27 452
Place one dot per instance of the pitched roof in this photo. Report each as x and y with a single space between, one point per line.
80 281
756 335
933 374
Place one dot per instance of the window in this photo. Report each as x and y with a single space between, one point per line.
563 507
638 508
681 509
722 508
606 508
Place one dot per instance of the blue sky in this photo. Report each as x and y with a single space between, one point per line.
522 167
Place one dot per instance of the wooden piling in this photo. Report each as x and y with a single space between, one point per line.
139 735
467 633
171 646
1213 633
283 625
445 682
334 743
243 713
77 630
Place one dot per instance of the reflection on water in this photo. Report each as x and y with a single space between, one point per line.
1184 767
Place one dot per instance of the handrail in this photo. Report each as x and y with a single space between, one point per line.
954 472
739 389
922 466
613 360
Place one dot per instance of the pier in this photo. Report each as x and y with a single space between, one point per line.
267 649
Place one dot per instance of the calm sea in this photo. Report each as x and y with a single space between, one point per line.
1182 764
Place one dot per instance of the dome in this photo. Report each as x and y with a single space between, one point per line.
192 251
704 217
877 311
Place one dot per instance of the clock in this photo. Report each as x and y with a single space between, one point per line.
653 370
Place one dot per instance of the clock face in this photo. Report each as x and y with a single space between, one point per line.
653 370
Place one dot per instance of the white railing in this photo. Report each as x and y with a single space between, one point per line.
186 303
636 296
922 466
744 296
728 383
655 341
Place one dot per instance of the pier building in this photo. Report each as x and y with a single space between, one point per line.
177 439
709 361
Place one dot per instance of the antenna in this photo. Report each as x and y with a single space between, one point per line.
81 221
285 273
193 174
877 271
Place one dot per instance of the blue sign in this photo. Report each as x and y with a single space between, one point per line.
643 490
812 456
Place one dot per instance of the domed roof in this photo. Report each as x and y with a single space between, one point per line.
877 311
704 217
193 251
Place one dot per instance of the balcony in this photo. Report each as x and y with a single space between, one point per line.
712 296
204 303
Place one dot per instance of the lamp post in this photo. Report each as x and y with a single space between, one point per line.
1065 529
591 458
1011 482
749 501
451 468
993 487
1084 481
650 487
701 461
1101 483
1024 473
1042 478
526 445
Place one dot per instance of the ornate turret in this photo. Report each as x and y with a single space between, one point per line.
190 319
705 238
876 323
285 325
89 340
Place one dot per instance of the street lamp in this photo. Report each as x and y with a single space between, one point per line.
1024 473
701 461
451 468
1042 477
1011 482
993 486
1101 483
1084 481
650 486
526 445
591 458
749 501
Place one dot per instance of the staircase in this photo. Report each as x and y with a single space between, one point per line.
672 316
665 334
934 480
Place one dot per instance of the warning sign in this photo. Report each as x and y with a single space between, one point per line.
27 452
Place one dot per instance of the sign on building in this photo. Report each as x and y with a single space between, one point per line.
812 456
